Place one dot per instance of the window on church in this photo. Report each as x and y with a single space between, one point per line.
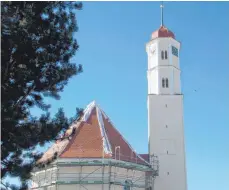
167 83
128 184
174 51
166 55
162 54
126 187
163 83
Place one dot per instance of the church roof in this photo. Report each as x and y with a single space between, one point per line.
145 157
162 32
93 136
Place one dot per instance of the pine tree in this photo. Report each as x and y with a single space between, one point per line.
37 44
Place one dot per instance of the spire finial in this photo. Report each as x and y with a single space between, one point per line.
162 7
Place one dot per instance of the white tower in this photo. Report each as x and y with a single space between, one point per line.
165 109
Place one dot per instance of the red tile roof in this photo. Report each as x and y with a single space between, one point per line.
94 137
162 32
145 157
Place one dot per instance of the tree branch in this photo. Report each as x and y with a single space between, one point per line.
4 185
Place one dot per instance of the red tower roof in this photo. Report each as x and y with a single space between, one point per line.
162 32
94 137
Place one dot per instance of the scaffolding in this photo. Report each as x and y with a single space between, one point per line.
106 171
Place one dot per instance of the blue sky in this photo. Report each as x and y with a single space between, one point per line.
112 38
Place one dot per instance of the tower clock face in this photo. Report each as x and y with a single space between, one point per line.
174 51
152 49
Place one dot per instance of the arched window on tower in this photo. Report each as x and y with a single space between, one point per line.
163 83
167 83
166 55
162 54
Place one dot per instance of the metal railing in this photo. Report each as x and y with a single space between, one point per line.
55 177
91 178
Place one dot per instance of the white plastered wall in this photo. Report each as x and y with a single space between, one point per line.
166 140
165 115
159 68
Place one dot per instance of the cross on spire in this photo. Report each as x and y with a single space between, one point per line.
162 8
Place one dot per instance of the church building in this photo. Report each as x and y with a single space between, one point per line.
93 155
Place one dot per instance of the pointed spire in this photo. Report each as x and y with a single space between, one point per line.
162 14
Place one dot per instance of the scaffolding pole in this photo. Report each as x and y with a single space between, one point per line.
116 178
109 181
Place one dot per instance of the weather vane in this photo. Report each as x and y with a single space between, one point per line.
162 7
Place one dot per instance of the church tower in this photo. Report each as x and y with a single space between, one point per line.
165 109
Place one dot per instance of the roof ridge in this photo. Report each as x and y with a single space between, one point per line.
89 108
106 143
123 137
87 111
99 113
